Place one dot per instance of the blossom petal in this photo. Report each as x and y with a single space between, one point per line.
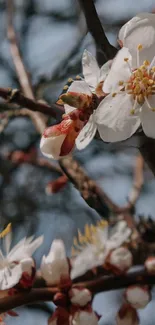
7 242
10 279
113 118
87 134
105 70
139 30
148 119
55 266
51 147
32 247
91 70
78 87
120 71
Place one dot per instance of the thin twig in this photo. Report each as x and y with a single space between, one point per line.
23 77
105 51
92 193
15 96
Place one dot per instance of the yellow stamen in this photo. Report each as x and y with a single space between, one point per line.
121 83
139 47
5 231
65 87
114 94
70 80
126 59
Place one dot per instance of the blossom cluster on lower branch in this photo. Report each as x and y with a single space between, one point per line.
100 245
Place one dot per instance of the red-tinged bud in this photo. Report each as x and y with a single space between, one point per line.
150 265
127 315
28 275
60 299
119 260
60 317
57 185
137 296
77 100
12 313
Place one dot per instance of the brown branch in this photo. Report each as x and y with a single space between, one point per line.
147 150
105 283
138 181
92 193
105 51
15 96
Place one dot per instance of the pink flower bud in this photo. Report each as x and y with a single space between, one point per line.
137 296
119 260
80 296
150 265
127 315
57 185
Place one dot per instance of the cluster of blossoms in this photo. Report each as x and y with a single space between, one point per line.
73 302
115 100
99 246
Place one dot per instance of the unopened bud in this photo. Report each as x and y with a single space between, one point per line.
80 296
150 265
137 296
127 315
119 260
77 100
57 185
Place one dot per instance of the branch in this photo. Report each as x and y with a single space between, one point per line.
147 150
105 283
105 51
24 80
92 193
15 96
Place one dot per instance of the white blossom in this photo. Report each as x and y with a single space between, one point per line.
139 30
131 99
104 241
55 266
17 260
137 296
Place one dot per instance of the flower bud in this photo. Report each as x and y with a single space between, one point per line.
77 100
57 185
119 260
80 296
137 296
127 315
150 265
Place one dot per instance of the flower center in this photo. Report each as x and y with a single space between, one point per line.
141 84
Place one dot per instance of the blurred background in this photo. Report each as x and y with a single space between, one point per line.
52 36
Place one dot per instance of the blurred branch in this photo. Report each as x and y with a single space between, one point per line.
105 51
24 80
92 193
15 96
105 283
147 150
